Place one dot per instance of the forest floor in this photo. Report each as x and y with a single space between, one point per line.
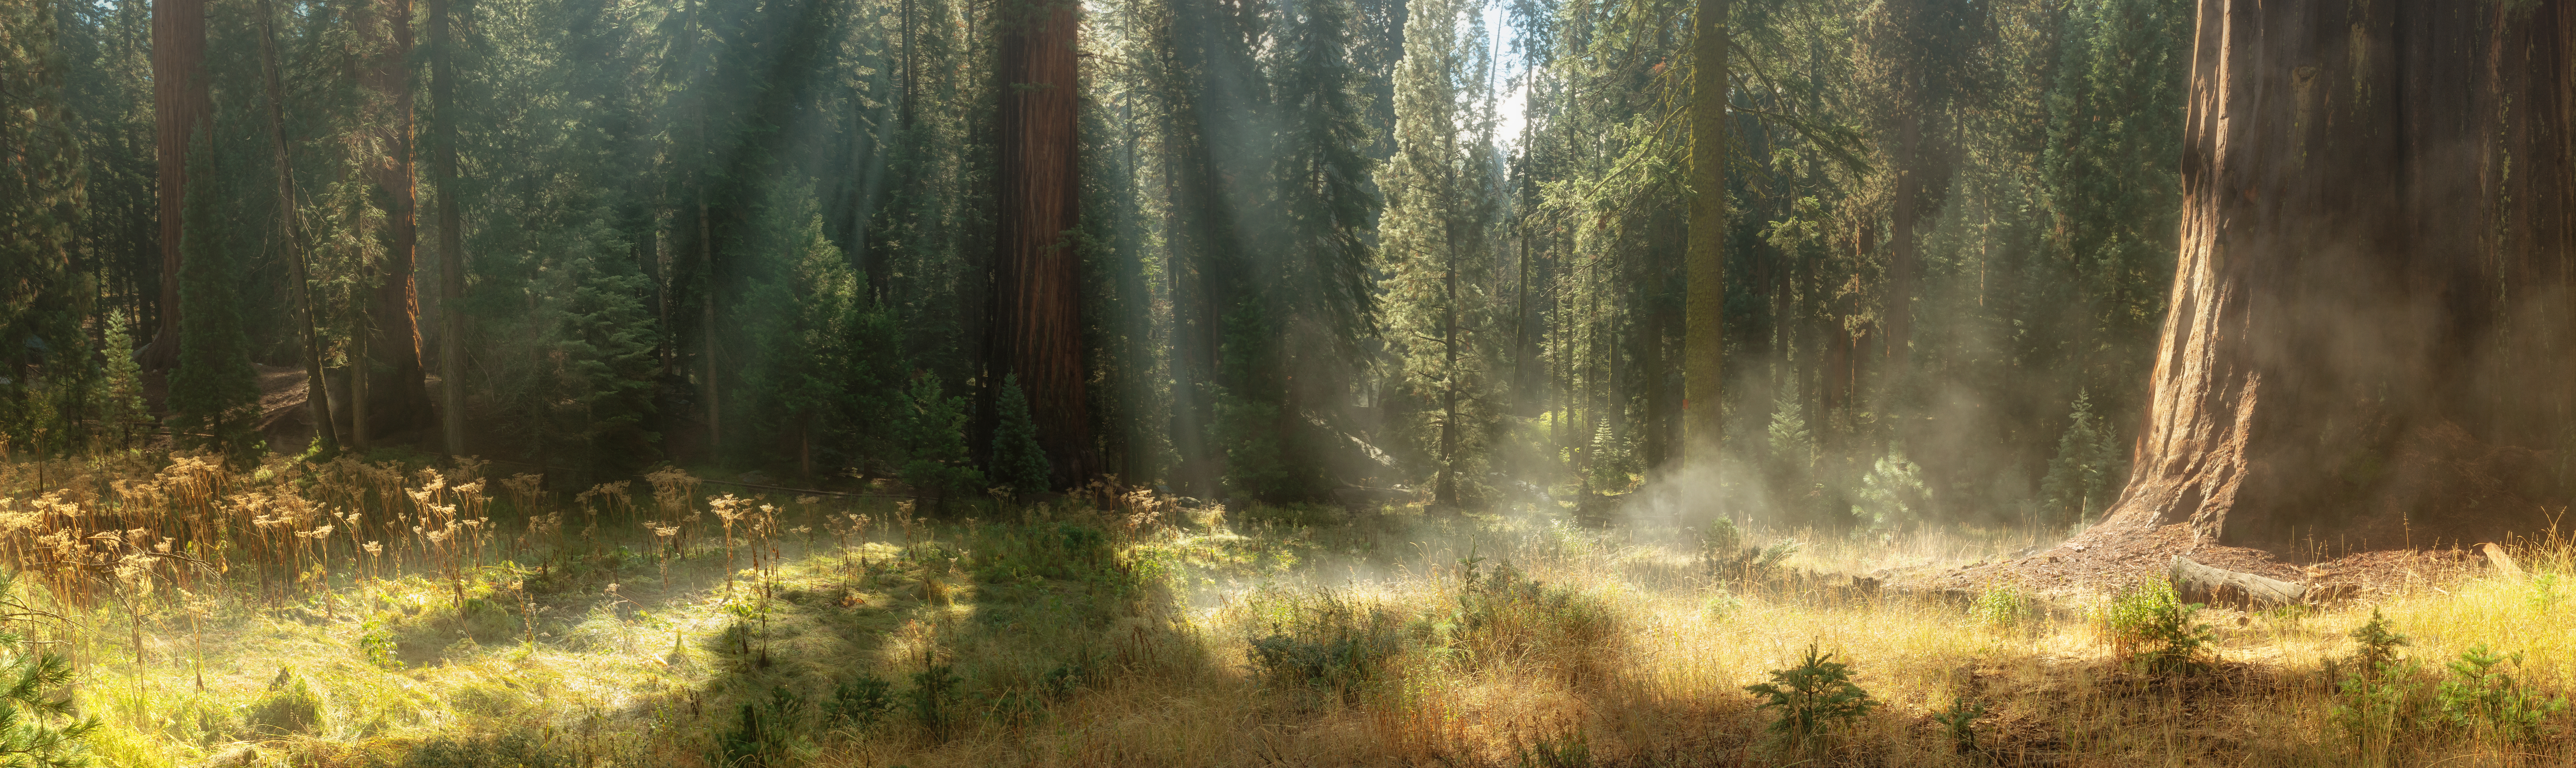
1130 631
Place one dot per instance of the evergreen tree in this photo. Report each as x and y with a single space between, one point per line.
1268 453
121 408
934 441
42 298
1019 463
214 395
38 730
1434 238
2113 188
2085 476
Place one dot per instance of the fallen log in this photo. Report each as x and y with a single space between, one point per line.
2502 563
2205 584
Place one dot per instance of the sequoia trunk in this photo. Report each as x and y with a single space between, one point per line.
398 399
181 108
2370 332
1037 312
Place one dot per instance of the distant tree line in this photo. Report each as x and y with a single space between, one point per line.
1250 249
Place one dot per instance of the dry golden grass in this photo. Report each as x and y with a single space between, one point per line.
505 645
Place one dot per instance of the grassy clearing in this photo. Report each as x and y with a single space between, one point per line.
646 630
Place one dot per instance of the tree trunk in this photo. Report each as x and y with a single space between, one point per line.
317 392
1900 262
181 108
1036 332
451 239
2370 317
1704 341
398 397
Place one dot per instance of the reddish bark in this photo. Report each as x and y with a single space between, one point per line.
1036 332
397 397
2370 327
181 108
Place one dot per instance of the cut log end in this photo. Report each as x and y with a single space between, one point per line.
2199 583
2498 559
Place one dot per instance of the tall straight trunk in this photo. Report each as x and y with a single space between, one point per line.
1900 261
1444 490
1704 341
707 331
317 392
182 108
398 397
1036 332
451 239
2355 345
910 84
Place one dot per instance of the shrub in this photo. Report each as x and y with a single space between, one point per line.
289 708
2546 592
2377 698
509 750
1018 462
1502 615
765 733
1960 723
1812 697
2001 607
2480 697
1326 644
1568 748
2149 623
41 731
858 703
933 698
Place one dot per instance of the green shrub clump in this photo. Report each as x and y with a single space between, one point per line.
1811 698
2150 624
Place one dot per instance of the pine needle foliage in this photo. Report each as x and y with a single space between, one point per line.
2086 474
38 729
214 395
1019 463
122 412
1811 698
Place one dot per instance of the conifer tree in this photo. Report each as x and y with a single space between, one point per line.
41 204
1019 463
214 395
2085 475
1438 212
120 396
38 730
934 440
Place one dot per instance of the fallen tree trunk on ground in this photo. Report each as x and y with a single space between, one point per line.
2204 584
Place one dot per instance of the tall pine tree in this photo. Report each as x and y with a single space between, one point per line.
214 395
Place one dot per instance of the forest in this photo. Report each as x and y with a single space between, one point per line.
770 383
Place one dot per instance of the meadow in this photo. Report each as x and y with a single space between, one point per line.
394 613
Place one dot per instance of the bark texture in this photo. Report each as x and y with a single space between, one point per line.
397 396
1704 338
1037 286
451 236
2369 341
181 108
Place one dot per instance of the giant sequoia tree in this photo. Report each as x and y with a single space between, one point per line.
181 109
1037 307
2371 318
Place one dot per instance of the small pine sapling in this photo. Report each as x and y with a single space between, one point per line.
1811 698
1960 722
2376 695
2480 696
1019 463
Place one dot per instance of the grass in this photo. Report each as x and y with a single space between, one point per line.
1121 631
